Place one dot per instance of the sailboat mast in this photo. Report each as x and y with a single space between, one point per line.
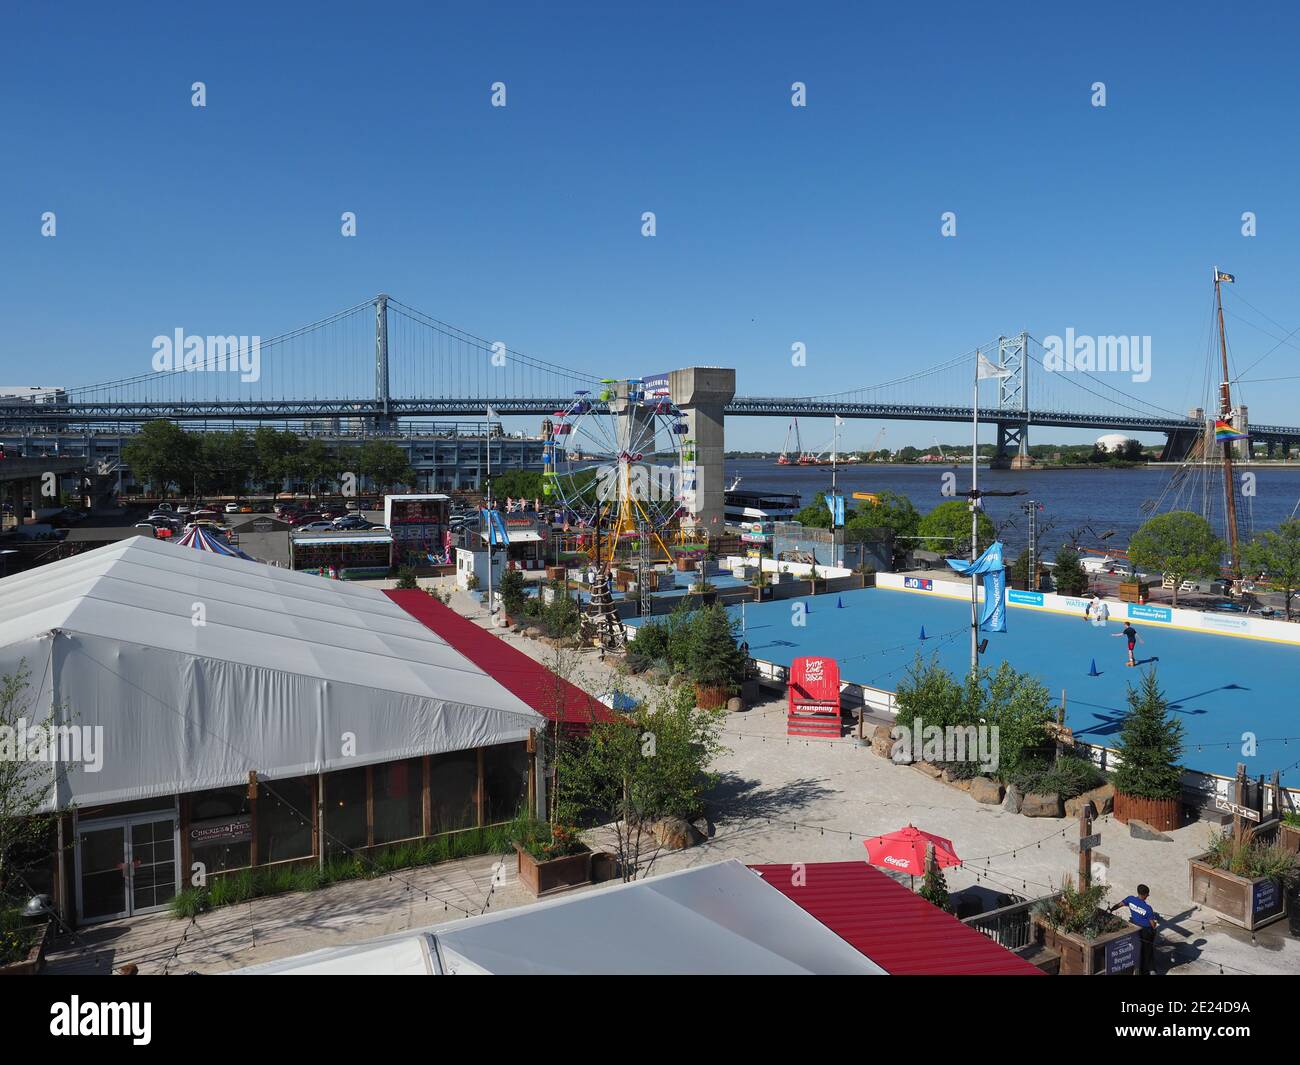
1225 412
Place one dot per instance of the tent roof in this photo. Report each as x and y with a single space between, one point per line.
280 666
717 919
144 591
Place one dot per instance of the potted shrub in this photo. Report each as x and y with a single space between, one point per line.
761 585
815 582
551 857
1090 940
714 661
513 596
704 590
868 576
1244 879
1288 833
1148 780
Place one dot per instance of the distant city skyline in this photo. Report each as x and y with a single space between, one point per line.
802 167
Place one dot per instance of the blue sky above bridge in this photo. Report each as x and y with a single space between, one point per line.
776 224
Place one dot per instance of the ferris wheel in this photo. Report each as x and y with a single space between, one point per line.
620 468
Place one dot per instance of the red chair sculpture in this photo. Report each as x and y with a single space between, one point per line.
814 698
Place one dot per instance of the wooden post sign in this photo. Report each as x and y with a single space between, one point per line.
1236 809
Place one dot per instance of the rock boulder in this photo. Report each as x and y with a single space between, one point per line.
1039 805
986 790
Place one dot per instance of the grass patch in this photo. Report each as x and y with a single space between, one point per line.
226 889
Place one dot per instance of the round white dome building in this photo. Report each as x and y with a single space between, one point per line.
1113 442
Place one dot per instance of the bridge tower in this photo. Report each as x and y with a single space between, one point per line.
702 393
383 419
1013 400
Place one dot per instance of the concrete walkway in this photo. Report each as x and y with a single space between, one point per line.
779 800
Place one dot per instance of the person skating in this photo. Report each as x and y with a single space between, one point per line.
1130 634
1142 914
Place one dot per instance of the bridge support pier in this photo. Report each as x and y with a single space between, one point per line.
1012 451
702 393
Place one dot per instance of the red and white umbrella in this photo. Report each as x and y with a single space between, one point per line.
905 850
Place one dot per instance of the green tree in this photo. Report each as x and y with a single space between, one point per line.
891 510
1068 576
1277 553
1150 745
406 578
385 464
517 484
630 772
1020 707
25 786
714 659
512 592
929 692
1178 544
275 457
162 455
314 466
817 514
226 462
947 528
934 888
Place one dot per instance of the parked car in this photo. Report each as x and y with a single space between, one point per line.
352 505
351 522
164 506
232 508
183 509
317 526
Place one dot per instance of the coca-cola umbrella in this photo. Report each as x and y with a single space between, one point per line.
904 851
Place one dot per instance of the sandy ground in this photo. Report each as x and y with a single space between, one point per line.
779 800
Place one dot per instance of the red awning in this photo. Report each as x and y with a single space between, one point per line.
551 696
898 930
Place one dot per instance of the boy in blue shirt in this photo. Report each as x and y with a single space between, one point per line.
1142 914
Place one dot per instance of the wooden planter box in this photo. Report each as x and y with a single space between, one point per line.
1111 954
760 594
557 573
34 963
541 878
1247 902
1164 815
711 698
704 598
868 580
1134 591
1289 837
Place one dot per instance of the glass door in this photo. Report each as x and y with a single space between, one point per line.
153 863
126 866
101 855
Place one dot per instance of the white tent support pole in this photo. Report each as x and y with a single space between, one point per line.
320 818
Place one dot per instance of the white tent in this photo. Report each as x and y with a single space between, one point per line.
199 668
716 919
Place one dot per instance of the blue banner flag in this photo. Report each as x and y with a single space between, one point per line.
989 565
835 504
495 527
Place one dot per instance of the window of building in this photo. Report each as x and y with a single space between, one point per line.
284 819
345 811
505 781
398 799
453 787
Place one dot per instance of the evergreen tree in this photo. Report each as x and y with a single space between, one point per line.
1068 577
934 888
1150 745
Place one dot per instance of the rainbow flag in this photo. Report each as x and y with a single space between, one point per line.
1224 433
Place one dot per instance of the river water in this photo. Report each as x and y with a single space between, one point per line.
1072 499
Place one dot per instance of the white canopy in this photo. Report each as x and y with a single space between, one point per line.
200 667
716 919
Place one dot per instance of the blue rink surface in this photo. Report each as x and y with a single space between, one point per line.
1219 686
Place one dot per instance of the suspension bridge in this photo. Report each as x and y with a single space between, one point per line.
383 360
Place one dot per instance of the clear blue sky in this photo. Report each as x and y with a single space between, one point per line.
775 224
